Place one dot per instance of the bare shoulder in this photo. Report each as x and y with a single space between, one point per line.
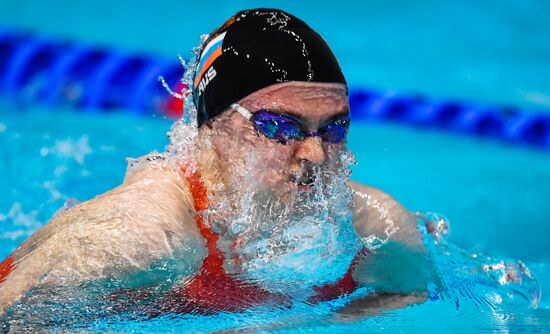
154 193
378 213
145 218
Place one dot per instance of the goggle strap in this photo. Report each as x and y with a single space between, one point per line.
242 110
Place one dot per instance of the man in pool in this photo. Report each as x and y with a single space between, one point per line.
256 203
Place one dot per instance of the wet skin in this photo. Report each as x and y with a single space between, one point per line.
313 104
150 216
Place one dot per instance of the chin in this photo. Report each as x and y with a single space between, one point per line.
279 192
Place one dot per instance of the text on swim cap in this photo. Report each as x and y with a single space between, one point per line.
208 76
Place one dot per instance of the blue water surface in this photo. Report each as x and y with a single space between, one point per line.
51 157
494 195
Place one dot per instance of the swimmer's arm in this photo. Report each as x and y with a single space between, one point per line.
378 214
401 265
376 303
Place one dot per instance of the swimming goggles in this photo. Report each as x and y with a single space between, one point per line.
282 128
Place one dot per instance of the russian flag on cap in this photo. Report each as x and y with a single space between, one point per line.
210 53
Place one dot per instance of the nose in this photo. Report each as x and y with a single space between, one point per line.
311 150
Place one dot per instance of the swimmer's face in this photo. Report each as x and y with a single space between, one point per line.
273 165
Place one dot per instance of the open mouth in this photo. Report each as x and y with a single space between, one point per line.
302 182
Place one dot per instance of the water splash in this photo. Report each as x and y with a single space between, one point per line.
184 130
373 241
70 148
287 241
489 281
24 223
284 253
184 92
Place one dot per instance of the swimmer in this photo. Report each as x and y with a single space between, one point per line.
272 119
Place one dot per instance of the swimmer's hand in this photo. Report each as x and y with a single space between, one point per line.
397 268
398 274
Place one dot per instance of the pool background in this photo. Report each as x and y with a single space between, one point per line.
483 51
495 196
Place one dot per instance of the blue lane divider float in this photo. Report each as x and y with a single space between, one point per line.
505 123
62 73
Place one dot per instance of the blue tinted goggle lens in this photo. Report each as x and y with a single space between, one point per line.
283 128
336 131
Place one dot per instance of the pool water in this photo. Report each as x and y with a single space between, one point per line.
484 51
495 196
52 157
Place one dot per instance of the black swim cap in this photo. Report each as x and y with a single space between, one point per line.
254 49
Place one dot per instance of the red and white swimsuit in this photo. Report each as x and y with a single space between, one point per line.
6 267
213 288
